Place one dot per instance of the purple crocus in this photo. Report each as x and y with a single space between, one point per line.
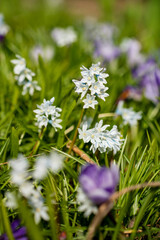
4 28
19 233
99 183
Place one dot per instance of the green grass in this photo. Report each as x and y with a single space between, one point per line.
139 157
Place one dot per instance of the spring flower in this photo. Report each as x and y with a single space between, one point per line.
97 184
64 37
47 53
85 204
132 48
92 85
40 212
46 113
30 87
4 28
19 169
148 75
52 162
100 138
19 233
24 76
20 64
11 200
107 50
128 115
90 101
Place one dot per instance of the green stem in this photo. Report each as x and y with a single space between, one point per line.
5 221
75 134
36 146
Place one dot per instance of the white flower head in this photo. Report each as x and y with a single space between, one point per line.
52 162
20 64
91 86
40 212
128 115
30 87
85 203
101 139
11 200
90 101
48 114
4 28
64 37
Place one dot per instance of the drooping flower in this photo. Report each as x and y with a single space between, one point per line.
128 115
97 184
19 233
100 138
64 37
4 28
46 113
92 85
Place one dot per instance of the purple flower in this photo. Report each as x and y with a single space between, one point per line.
107 50
19 233
99 183
149 76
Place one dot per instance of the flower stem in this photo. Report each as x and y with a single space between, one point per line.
105 208
75 134
36 146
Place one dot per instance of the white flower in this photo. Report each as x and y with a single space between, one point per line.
47 53
46 113
128 115
92 85
83 134
96 69
26 189
81 87
20 64
64 37
52 162
4 28
40 212
101 139
25 74
90 101
86 205
41 167
29 87
11 200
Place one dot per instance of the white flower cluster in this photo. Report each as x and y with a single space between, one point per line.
64 37
4 28
86 205
20 177
92 85
100 138
52 162
128 115
46 113
24 76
